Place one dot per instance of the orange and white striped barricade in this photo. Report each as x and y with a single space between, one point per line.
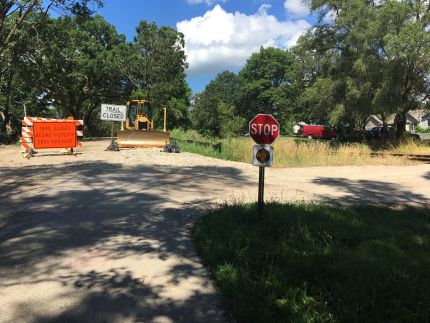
45 133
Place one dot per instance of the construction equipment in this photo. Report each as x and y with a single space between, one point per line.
138 129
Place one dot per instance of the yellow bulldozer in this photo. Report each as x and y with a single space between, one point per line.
138 128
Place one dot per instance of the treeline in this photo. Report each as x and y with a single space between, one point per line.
68 65
362 57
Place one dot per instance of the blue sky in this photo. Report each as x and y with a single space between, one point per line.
220 34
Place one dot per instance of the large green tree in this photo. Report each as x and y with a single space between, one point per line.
14 14
268 84
214 111
15 91
156 66
77 62
17 18
375 58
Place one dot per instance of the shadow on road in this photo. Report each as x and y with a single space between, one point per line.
63 212
370 191
427 176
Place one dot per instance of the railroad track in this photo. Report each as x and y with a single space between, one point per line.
410 156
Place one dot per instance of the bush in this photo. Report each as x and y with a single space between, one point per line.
419 129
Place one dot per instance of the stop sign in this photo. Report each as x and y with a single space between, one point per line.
264 129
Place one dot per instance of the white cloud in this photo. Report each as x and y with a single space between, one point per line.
296 8
219 40
208 2
330 16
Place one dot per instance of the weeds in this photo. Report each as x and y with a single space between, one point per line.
301 152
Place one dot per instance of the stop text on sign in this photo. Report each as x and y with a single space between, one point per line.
264 129
54 135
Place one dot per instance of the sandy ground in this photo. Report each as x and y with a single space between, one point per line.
104 236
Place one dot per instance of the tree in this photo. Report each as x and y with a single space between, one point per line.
17 17
156 66
76 62
231 124
14 91
267 84
214 111
18 11
376 58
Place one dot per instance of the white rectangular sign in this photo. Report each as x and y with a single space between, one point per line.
112 112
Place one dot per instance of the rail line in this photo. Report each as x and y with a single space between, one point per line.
410 156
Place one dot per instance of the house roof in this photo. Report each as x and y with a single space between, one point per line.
374 117
418 114
426 116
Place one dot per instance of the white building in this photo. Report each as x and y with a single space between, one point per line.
417 117
413 118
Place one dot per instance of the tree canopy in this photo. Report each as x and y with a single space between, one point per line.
69 65
14 14
215 111
156 67
374 57
360 58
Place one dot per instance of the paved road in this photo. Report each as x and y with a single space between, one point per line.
105 237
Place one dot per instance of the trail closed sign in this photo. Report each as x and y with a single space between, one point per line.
112 112
54 135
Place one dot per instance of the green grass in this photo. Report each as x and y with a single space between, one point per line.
318 263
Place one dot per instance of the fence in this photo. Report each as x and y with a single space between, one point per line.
217 147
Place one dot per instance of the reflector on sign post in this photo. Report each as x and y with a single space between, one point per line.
262 155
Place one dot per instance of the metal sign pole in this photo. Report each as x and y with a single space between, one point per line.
113 146
261 188
111 133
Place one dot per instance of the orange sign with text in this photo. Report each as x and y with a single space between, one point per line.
54 135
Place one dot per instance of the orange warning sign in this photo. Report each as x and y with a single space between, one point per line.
54 135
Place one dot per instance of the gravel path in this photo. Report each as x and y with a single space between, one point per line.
104 236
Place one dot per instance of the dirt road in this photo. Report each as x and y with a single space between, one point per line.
104 236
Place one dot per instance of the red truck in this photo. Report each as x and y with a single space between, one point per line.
316 132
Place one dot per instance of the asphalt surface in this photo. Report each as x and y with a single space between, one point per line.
105 236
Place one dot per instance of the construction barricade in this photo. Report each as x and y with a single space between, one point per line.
46 133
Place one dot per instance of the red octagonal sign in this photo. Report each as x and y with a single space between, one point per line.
264 129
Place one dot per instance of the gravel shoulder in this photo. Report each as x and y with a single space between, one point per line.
104 236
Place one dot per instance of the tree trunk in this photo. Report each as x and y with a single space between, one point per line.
400 122
87 117
6 126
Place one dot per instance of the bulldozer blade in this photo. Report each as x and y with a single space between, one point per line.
142 138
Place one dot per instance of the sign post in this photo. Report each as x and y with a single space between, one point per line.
264 129
112 112
261 188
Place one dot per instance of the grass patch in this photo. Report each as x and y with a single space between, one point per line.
293 152
317 263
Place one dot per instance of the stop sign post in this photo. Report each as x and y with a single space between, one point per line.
264 129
